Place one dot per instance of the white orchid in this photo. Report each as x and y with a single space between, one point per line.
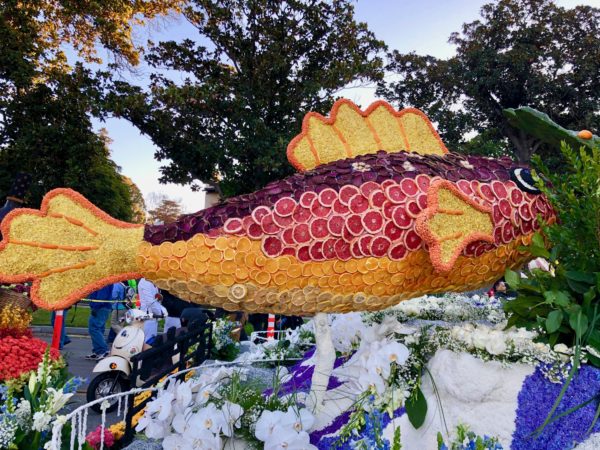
297 419
208 418
285 439
266 423
231 416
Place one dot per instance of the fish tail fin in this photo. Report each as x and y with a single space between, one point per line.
68 249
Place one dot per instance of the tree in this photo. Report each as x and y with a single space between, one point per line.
45 105
520 53
165 210
262 65
138 205
47 133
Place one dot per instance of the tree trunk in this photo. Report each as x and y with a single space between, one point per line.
524 145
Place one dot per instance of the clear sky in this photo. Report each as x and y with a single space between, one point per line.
422 26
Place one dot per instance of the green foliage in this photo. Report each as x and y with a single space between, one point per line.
575 194
520 52
466 439
46 128
416 408
260 66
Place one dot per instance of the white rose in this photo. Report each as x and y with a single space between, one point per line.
480 338
496 344
561 348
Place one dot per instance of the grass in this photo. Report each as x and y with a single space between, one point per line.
76 317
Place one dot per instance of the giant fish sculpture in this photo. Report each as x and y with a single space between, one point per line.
380 211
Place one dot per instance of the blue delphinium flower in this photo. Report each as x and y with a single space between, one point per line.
73 384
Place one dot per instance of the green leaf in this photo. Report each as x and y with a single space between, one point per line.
512 278
538 240
579 323
554 320
576 286
582 277
416 408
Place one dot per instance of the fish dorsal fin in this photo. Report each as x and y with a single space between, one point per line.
350 132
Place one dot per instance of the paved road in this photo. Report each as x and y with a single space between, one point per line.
74 353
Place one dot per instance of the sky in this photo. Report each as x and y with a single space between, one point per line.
422 26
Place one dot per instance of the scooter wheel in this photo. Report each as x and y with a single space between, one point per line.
105 384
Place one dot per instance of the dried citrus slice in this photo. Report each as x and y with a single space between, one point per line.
359 204
241 273
173 265
163 264
369 279
371 263
226 279
412 208
335 224
423 181
409 187
412 240
327 196
233 225
260 261
263 277
250 259
216 255
342 250
272 246
380 246
294 271
316 270
238 291
339 208
308 198
301 215
354 224
347 192
329 248
259 212
395 194
285 206
268 225
165 249
214 269
150 265
401 218
397 251
279 278
202 254
372 221
316 251
284 262
318 228
228 267
352 265
271 265
303 253
301 233
282 222
368 188
200 267
377 199
221 290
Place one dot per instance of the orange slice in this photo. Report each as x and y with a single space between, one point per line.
221 243
351 265
271 265
200 267
284 262
345 279
214 269
263 277
357 281
145 248
150 265
216 255
203 254
362 266
179 249
339 266
307 269
229 254
243 244
241 273
228 267
173 265
226 279
323 281
316 270
369 279
327 267
379 289
280 278
187 266
197 241
294 271
371 263
260 260
165 249
221 290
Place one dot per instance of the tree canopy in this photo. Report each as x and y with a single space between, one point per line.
45 104
261 65
519 53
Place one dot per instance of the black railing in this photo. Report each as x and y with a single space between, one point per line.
177 353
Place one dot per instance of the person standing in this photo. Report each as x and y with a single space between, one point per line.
100 308
118 309
150 302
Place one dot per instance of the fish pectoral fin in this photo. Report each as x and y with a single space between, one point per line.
450 222
68 248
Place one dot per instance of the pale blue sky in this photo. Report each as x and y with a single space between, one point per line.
406 25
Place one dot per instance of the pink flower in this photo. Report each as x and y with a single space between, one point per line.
93 438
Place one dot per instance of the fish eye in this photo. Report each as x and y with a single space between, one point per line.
524 180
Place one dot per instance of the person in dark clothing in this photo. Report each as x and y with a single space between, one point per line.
99 313
174 306
288 322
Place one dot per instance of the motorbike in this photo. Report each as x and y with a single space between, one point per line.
114 371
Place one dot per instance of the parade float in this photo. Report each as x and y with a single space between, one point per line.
379 213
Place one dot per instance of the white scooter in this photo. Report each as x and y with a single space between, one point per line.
114 370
